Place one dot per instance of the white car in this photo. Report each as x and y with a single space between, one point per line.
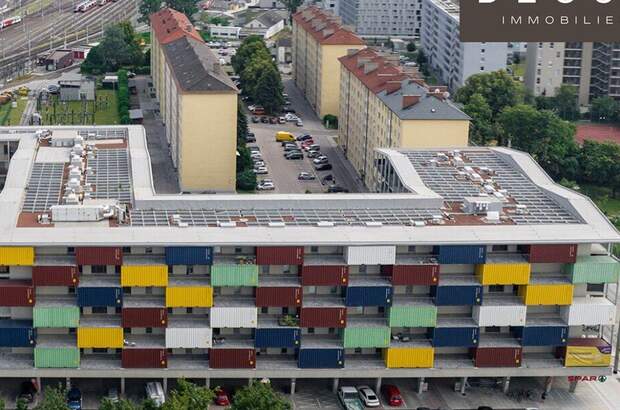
256 155
299 123
291 117
259 164
261 170
265 186
368 397
155 392
321 159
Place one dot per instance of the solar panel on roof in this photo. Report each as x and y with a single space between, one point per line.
44 187
111 175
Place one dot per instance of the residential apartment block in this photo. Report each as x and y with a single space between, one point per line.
383 18
591 67
468 263
198 105
319 39
383 106
453 60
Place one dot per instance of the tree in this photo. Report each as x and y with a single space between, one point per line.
149 404
259 396
119 47
21 404
252 48
246 180
604 109
268 92
146 8
548 138
600 161
411 47
498 88
53 399
481 127
123 404
187 7
566 102
422 62
292 6
242 125
188 396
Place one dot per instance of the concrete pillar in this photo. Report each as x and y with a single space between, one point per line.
506 385
572 386
250 381
165 385
548 384
122 386
463 385
68 383
420 385
208 383
335 385
293 382
39 387
378 385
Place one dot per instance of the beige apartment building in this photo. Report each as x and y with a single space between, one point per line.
383 106
319 39
198 105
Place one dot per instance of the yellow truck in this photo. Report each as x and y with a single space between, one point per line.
284 136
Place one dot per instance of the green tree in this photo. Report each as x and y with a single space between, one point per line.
149 404
292 6
268 92
600 163
188 396
119 47
251 74
146 8
2 406
122 404
53 399
498 88
604 109
242 124
259 396
411 47
187 7
246 180
548 138
422 62
566 102
252 48
481 127
21 404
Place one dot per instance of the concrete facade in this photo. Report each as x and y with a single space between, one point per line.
383 18
318 41
198 106
375 111
453 60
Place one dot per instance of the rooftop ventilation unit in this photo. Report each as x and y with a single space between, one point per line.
481 205
325 224
374 224
276 224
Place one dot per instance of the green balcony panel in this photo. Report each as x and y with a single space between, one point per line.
68 316
594 269
366 337
234 275
413 316
56 357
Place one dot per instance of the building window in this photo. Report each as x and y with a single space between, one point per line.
310 330
496 288
499 248
492 329
100 309
595 287
98 269
314 249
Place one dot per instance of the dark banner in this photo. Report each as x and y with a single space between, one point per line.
540 20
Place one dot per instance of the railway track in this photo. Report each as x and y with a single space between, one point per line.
23 42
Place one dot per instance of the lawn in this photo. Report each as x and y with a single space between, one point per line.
602 197
14 116
80 113
518 70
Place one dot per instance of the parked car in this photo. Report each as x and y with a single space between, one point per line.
273 120
250 137
294 155
261 170
307 142
312 147
305 176
328 178
264 120
369 398
291 147
256 156
254 148
321 159
281 120
27 391
221 397
392 395
323 167
155 392
313 154
74 398
255 119
289 110
304 137
333 189
265 186
290 117
299 123
259 164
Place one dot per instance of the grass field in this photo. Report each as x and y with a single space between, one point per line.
10 115
80 113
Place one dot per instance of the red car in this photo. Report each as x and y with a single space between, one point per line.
221 397
392 395
307 142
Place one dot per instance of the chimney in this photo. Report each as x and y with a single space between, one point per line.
410 100
328 32
351 51
392 87
370 67
361 61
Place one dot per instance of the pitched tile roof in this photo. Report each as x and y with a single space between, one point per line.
325 27
407 95
196 67
170 25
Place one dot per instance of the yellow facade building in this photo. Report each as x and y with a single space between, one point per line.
198 105
383 106
319 39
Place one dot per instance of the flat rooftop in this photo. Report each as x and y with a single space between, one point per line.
94 186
